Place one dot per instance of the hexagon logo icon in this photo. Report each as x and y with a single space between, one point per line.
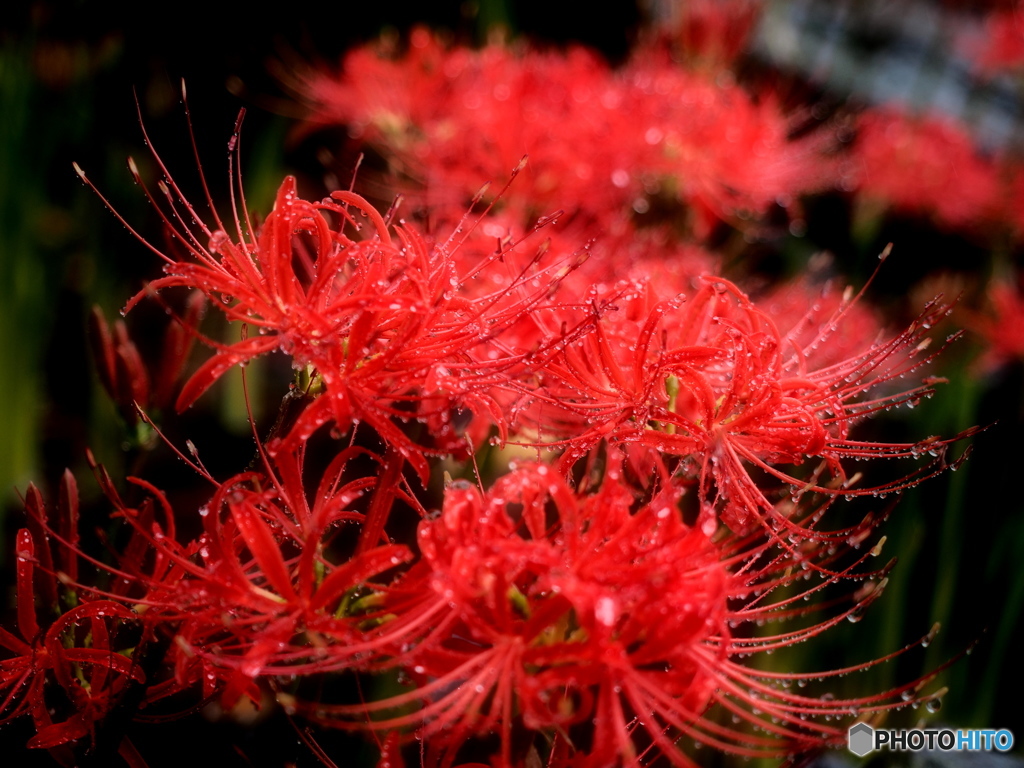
861 739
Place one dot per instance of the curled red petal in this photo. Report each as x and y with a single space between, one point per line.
264 548
27 622
217 365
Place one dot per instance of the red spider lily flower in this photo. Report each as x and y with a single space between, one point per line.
1003 328
448 117
257 594
911 163
510 617
710 379
381 323
723 152
70 669
601 621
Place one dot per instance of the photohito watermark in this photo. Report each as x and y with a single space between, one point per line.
862 739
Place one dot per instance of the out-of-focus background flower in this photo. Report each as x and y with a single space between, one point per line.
925 95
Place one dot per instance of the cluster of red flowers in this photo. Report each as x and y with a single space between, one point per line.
911 164
651 133
650 458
